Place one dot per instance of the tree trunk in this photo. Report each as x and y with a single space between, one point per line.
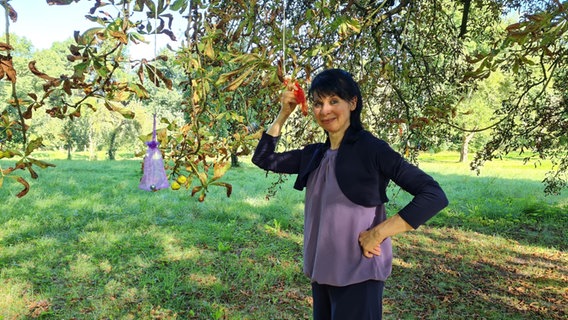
112 147
465 146
235 161
92 154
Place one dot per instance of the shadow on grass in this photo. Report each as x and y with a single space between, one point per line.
444 273
90 245
119 252
516 209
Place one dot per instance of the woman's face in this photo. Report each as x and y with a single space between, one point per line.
332 113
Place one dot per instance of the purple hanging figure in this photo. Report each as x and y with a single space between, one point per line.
154 177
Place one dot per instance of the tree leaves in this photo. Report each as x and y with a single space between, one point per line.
61 2
113 106
7 68
11 12
406 55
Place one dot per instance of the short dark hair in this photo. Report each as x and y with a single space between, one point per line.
341 83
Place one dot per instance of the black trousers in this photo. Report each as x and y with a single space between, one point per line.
361 301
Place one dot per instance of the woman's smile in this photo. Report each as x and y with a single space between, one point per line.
333 114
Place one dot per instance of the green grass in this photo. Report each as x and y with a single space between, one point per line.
85 243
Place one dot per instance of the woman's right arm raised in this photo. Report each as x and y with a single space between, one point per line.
288 103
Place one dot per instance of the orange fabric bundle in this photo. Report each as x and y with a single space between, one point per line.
300 96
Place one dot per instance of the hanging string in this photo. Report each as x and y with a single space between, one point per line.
155 61
154 128
284 38
156 35
154 175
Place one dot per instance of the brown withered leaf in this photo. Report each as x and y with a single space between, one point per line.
72 58
170 34
98 4
168 82
60 2
8 68
141 73
74 50
151 72
36 72
55 112
162 57
40 163
33 173
28 113
67 87
120 36
5 46
11 12
26 187
76 113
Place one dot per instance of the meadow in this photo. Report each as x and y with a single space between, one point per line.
86 243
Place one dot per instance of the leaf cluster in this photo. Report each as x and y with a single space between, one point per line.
414 61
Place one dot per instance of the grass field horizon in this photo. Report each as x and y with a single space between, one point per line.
86 243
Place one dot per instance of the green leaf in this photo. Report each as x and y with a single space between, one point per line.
112 106
89 35
235 84
60 2
226 76
34 144
81 68
139 5
137 37
9 154
41 164
139 90
220 168
101 68
179 5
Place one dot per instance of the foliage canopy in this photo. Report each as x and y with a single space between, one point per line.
416 62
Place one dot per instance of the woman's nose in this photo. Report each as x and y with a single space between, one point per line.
325 107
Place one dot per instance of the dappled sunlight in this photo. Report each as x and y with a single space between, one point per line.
15 230
494 272
83 267
275 229
202 279
98 249
13 296
174 251
100 238
258 201
47 202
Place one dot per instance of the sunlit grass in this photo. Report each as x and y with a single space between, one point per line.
85 243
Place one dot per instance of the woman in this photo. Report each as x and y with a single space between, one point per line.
347 249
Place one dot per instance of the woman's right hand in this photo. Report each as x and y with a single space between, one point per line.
288 103
288 100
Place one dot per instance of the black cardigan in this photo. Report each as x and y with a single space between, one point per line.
364 167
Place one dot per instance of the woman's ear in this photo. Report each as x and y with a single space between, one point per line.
353 104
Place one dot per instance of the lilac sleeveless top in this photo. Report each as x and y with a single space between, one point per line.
332 224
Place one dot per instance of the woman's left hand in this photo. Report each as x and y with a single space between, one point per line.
370 243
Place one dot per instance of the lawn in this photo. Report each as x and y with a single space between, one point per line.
85 243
